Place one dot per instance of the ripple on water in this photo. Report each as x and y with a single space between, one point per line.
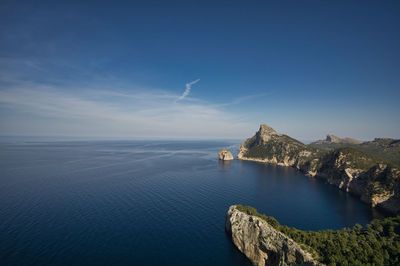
142 202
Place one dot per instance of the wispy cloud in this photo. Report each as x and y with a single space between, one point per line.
45 110
242 99
106 107
188 88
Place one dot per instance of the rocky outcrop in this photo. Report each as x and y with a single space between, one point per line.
225 155
261 243
374 180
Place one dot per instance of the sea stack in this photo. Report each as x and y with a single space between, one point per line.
225 155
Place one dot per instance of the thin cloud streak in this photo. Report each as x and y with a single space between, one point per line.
188 88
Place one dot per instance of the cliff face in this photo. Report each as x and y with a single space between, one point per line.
374 180
263 244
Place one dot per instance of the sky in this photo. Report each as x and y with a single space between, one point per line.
199 69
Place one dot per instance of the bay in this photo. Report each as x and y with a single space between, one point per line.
148 202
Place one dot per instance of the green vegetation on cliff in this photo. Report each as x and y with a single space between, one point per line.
280 145
384 148
354 158
376 244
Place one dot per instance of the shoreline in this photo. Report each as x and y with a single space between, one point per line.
386 212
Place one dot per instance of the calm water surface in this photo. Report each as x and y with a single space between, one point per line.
140 202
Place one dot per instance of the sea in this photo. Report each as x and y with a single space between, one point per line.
148 202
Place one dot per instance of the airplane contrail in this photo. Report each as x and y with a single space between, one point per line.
188 88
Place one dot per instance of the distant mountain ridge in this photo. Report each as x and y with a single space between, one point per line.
349 166
334 139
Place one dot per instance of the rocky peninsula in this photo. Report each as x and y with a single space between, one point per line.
375 180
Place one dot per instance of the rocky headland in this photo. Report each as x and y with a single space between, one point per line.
265 241
375 180
261 243
225 155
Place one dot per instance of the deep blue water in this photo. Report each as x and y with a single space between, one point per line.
147 203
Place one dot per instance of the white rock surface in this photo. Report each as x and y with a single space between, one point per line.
263 244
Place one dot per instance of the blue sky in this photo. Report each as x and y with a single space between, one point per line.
120 69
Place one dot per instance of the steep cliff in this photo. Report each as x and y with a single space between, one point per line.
261 243
375 180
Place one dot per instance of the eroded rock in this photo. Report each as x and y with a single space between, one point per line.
261 243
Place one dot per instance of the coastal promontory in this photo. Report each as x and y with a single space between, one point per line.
361 169
264 241
261 243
